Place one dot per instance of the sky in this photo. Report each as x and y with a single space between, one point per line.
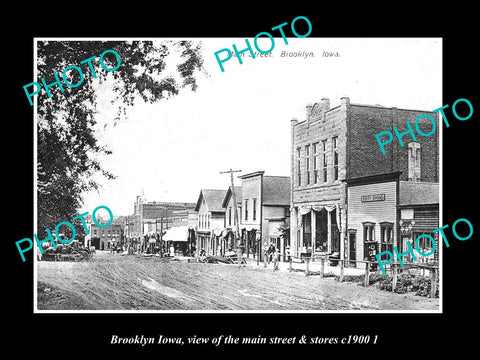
240 118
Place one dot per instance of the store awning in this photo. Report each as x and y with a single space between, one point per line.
249 227
178 233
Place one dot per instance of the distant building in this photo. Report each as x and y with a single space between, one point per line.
150 217
105 238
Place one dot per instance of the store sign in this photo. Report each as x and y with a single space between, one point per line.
374 197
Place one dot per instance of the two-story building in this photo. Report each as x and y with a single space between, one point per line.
339 143
265 208
211 221
150 219
231 223
105 238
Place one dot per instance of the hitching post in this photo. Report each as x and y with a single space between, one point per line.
341 269
367 273
322 266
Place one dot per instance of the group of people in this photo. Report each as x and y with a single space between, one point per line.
272 254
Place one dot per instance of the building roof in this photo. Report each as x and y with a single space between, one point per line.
156 210
213 199
276 190
255 173
228 194
418 193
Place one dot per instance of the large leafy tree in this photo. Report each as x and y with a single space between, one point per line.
67 146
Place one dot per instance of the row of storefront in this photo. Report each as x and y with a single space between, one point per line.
343 196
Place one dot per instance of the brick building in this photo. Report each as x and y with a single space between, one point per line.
149 219
105 238
334 144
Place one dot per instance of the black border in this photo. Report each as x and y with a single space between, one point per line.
58 335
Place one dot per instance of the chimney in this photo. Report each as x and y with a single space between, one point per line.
325 104
345 101
309 110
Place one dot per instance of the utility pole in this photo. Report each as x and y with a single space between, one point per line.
235 217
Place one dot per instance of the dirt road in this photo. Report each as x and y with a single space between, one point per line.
131 283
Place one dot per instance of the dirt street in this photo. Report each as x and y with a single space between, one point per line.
117 282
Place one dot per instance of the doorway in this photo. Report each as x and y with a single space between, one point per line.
352 247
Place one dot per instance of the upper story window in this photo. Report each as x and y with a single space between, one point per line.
299 175
254 209
307 163
324 161
368 231
315 163
335 157
246 209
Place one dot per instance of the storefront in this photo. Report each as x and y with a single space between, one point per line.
318 230
203 241
176 240
384 212
418 213
248 234
371 217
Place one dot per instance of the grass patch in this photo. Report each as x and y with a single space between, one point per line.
406 283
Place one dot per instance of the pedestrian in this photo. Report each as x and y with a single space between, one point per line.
276 257
270 251
287 254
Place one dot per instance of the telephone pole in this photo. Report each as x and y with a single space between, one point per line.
235 217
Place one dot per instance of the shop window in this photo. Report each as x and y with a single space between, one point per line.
321 233
386 237
425 245
352 246
369 244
